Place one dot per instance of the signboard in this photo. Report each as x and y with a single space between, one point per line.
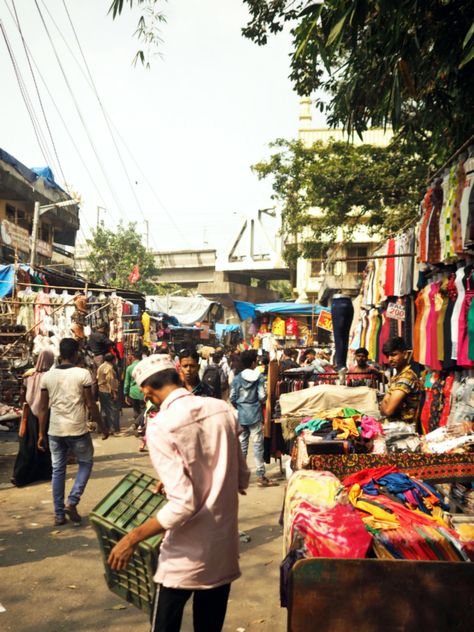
18 238
325 320
396 311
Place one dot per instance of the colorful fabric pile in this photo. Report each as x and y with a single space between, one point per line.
340 424
404 515
319 521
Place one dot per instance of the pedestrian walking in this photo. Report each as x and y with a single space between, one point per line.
31 464
247 395
131 391
107 384
199 553
66 393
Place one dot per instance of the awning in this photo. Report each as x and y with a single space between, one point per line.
187 309
249 310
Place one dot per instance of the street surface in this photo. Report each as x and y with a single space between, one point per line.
51 579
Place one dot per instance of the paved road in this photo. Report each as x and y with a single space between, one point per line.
51 579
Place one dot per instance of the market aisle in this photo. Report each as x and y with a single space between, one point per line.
52 579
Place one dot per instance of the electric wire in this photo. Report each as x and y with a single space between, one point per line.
38 94
25 96
128 150
79 113
101 105
66 127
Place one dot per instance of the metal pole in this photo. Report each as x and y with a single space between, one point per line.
34 234
147 234
98 218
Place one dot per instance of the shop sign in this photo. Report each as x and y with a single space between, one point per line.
396 311
19 238
325 320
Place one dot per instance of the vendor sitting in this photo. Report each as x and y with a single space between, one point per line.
362 373
402 399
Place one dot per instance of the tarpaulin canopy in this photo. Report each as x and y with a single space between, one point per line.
7 278
222 329
249 310
187 309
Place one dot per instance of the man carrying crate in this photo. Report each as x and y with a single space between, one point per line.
195 450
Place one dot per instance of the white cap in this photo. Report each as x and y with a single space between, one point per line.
151 365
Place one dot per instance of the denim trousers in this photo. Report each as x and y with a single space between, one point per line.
256 432
109 410
342 314
82 448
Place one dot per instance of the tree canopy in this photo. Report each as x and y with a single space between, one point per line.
407 63
351 185
114 254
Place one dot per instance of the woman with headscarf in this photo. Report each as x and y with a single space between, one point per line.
31 464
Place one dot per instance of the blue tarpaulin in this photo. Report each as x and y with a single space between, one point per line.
249 310
222 329
7 278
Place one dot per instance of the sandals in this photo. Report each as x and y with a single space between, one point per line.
263 481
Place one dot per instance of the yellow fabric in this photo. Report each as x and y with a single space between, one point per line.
379 514
146 329
278 327
346 426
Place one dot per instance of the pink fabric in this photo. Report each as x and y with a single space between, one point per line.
195 450
431 354
370 427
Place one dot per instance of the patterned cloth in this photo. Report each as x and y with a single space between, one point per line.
407 382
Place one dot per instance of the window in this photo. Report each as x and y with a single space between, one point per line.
359 255
45 232
316 267
11 212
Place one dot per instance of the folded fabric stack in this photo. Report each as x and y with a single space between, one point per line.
341 424
404 515
456 438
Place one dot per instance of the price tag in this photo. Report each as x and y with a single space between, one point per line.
396 311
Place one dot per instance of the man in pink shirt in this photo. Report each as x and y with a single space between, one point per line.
195 450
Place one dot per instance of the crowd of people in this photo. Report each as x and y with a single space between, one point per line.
196 410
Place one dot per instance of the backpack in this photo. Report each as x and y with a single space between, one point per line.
215 379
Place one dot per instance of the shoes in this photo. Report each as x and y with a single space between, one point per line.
263 481
59 521
72 513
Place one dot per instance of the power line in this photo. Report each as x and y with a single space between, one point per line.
89 80
38 94
66 127
96 92
79 112
26 97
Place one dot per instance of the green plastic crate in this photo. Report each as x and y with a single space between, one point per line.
128 505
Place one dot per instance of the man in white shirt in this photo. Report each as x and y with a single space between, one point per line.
195 450
66 391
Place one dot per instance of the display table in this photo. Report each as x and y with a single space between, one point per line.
439 468
370 595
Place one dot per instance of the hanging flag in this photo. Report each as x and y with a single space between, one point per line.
134 275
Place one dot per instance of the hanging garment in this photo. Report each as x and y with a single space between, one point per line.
390 269
456 223
419 307
434 242
423 324
278 327
452 292
441 300
427 206
457 312
342 313
467 203
463 344
291 327
432 329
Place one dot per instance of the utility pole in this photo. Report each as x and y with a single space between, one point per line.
147 234
34 234
39 210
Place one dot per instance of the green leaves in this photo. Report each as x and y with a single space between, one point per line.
113 254
350 185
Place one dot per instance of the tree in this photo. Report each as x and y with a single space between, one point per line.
407 64
114 254
378 187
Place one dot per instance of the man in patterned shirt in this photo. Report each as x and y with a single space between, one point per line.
402 399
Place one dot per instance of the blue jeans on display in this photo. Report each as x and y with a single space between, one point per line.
109 411
256 432
83 450
342 314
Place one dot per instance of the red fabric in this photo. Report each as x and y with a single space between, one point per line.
134 275
365 476
448 387
425 411
389 287
291 327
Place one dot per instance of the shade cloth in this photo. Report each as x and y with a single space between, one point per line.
324 396
249 310
187 309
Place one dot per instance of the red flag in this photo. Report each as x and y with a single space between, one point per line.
134 275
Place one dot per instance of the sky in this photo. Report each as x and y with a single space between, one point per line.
193 123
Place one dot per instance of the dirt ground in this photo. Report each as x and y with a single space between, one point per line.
51 579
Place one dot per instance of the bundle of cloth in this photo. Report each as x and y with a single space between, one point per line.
319 521
404 515
341 423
